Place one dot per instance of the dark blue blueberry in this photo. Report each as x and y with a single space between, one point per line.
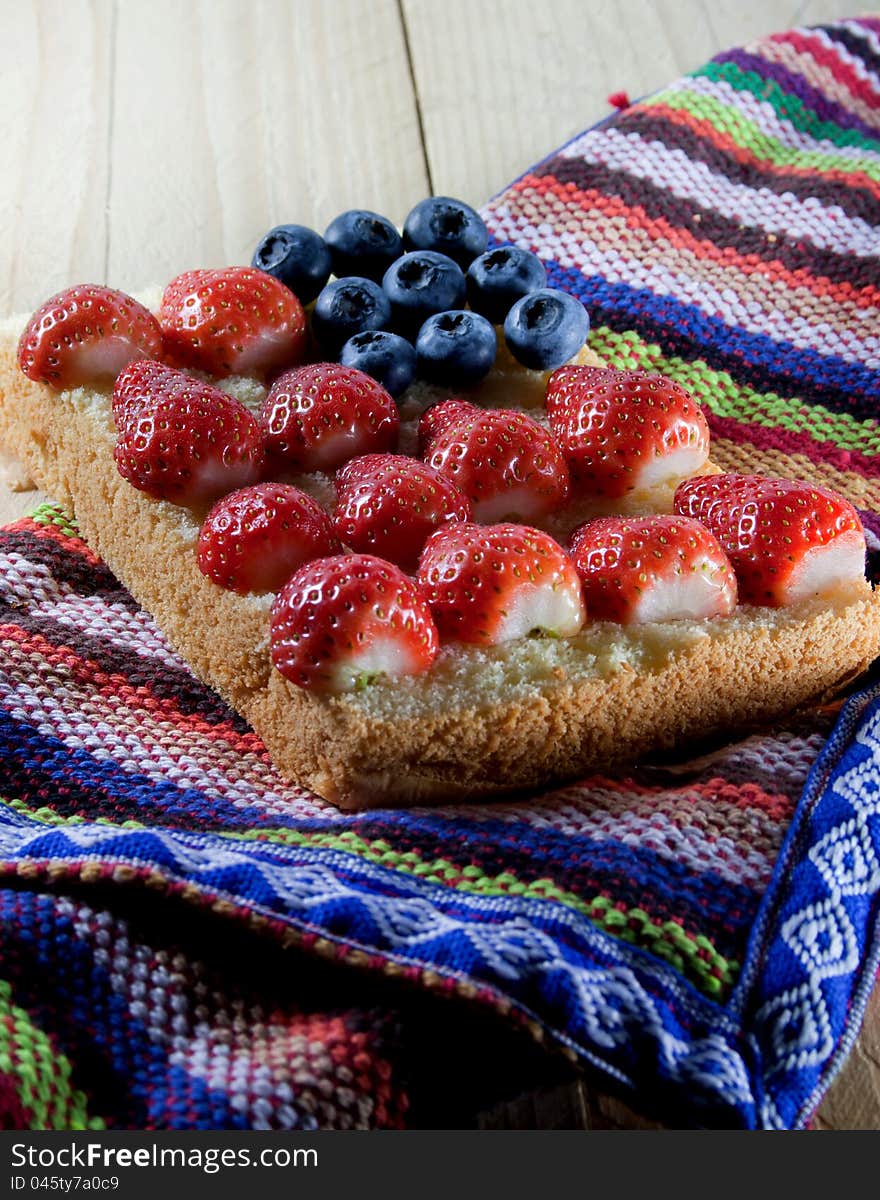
498 278
546 328
362 243
448 226
346 307
388 357
297 256
420 284
456 348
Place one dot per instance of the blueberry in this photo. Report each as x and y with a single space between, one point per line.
447 225
346 307
297 256
362 243
388 357
420 284
456 348
546 328
498 278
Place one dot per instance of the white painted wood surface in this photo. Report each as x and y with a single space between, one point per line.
142 138
145 137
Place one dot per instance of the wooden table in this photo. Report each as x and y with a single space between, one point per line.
142 139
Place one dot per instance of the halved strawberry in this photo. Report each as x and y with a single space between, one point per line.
787 540
234 321
388 504
188 442
255 538
341 623
658 568
505 463
625 431
86 334
488 584
317 417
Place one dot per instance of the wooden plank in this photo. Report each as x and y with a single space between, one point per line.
18 496
501 83
853 1101
54 118
735 22
229 118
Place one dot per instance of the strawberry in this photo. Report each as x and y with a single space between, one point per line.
317 417
188 442
658 568
505 463
787 540
254 539
340 623
625 431
388 504
235 321
86 334
488 584
137 383
440 418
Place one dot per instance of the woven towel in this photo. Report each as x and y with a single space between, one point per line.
701 936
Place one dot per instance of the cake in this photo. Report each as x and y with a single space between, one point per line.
479 715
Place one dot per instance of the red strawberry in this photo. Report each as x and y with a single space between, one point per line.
506 463
625 431
637 569
86 334
340 623
388 504
138 383
254 539
492 583
188 442
235 321
787 540
440 418
317 417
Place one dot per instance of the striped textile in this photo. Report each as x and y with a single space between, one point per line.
726 232
109 1021
700 935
